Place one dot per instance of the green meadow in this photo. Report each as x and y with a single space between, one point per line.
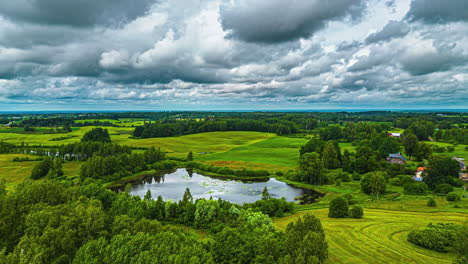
458 152
379 237
273 153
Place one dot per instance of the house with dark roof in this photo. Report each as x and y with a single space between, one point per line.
463 168
396 158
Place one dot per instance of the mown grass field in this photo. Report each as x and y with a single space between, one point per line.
17 172
273 153
458 152
380 237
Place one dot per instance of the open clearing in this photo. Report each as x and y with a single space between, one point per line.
17 172
274 153
458 152
380 237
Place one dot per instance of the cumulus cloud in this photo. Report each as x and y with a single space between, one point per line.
80 13
394 29
238 53
438 11
272 21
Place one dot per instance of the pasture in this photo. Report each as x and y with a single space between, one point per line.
16 172
458 152
380 237
273 153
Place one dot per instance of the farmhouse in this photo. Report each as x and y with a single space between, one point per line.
396 158
394 134
419 173
463 174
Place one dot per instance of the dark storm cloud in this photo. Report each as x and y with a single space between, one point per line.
79 13
214 51
272 21
438 11
394 29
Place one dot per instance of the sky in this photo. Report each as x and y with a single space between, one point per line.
233 54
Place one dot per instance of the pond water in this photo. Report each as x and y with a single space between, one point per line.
171 186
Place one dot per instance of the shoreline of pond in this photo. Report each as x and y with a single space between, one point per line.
306 195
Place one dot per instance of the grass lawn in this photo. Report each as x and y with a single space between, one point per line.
203 142
459 150
380 237
348 146
273 153
15 172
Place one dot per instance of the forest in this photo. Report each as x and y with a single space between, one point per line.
69 182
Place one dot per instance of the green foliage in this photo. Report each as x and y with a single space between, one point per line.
374 183
461 245
42 168
226 171
419 188
441 170
423 151
97 135
443 188
356 212
190 156
311 169
313 145
452 197
401 180
438 237
409 142
338 208
431 202
305 241
186 127
331 156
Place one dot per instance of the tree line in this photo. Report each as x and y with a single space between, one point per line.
54 222
186 127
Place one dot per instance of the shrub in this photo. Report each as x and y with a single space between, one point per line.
349 198
356 176
443 188
438 149
431 202
453 197
415 188
356 212
279 173
438 237
338 208
401 180
450 149
338 182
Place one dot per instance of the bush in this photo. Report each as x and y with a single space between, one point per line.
438 149
338 208
443 188
164 165
418 188
431 202
401 180
453 197
350 199
438 237
356 176
450 148
356 212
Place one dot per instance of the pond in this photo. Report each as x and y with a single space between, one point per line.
171 186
